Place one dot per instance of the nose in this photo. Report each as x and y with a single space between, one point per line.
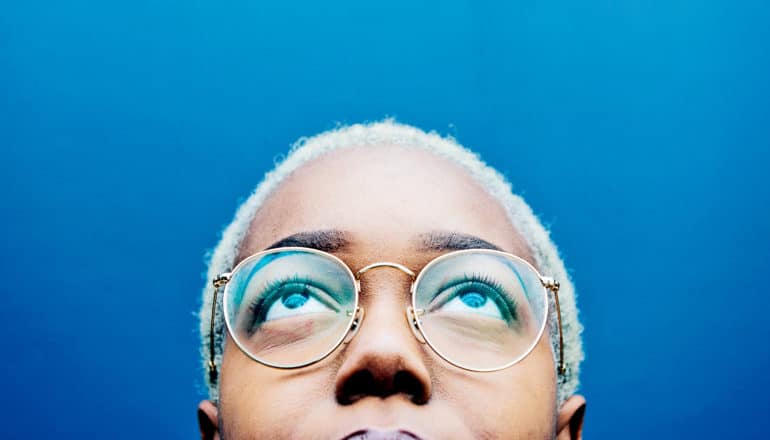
384 358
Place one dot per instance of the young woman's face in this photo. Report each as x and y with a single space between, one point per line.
385 201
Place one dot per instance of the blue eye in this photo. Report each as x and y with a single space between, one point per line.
473 299
294 300
476 295
474 302
294 303
292 297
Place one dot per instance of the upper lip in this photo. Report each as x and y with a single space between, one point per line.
371 434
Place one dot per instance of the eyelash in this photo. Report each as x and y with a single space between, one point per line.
272 286
507 300
474 277
503 297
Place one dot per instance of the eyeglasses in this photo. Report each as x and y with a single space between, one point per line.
478 309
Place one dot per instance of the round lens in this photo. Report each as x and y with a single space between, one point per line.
480 310
289 308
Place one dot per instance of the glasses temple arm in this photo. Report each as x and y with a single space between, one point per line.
218 282
553 286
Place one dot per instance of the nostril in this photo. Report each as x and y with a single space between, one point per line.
407 383
363 383
359 385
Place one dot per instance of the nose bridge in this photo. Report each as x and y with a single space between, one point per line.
382 359
386 315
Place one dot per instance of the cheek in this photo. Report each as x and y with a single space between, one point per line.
518 402
257 401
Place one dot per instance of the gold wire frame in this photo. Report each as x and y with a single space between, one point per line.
412 313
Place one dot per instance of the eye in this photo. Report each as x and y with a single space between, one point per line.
473 302
294 299
473 296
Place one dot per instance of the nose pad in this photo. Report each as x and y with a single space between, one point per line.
414 324
357 320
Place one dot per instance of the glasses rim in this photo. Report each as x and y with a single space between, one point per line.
338 341
413 315
440 258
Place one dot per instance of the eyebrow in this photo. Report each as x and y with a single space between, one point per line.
331 240
327 240
453 241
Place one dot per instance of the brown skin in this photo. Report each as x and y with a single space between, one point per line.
384 198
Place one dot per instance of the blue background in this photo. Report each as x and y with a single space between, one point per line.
130 131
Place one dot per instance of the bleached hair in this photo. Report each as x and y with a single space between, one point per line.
388 131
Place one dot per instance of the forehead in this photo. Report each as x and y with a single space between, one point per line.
383 197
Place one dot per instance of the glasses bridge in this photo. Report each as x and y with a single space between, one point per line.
389 264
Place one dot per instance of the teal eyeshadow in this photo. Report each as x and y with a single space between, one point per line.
264 261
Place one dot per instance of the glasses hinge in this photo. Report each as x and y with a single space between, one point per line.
550 284
212 372
221 279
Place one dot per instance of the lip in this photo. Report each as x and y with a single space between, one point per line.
370 434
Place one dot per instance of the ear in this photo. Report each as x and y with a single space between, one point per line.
208 420
570 423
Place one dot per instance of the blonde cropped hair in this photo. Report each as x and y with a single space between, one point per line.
543 250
